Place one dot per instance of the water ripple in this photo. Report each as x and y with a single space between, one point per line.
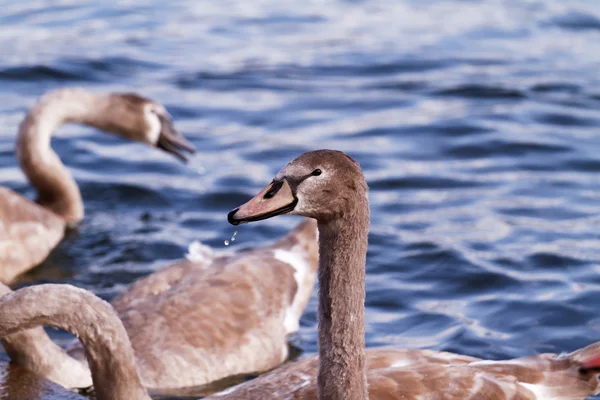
475 123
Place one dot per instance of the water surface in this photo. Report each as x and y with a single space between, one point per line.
475 123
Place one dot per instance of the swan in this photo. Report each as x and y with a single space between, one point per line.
343 369
329 186
220 315
251 302
105 341
107 347
28 230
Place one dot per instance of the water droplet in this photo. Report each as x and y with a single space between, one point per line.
232 239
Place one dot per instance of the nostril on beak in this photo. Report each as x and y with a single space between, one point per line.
274 189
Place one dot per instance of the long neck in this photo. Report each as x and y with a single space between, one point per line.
342 256
92 320
55 185
34 350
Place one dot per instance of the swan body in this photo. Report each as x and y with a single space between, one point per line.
434 375
193 323
329 186
391 373
28 230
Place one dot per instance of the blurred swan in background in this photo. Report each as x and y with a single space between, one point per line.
28 230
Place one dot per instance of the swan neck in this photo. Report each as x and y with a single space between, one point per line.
342 256
55 185
34 350
92 320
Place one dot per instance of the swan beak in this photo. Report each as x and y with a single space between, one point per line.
276 199
174 142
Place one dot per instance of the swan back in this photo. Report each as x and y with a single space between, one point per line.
28 232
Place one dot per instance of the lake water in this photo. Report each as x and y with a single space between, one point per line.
476 123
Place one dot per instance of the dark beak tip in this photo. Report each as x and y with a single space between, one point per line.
179 149
182 157
231 219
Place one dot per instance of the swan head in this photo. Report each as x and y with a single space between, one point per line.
137 118
321 184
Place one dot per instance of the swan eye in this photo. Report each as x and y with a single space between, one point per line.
316 172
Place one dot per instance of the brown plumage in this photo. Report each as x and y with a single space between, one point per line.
29 231
392 373
34 350
396 374
193 323
330 187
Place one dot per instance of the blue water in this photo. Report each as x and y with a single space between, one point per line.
476 123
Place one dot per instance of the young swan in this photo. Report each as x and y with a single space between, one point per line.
329 186
29 231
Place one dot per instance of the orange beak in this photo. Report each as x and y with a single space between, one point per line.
276 199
